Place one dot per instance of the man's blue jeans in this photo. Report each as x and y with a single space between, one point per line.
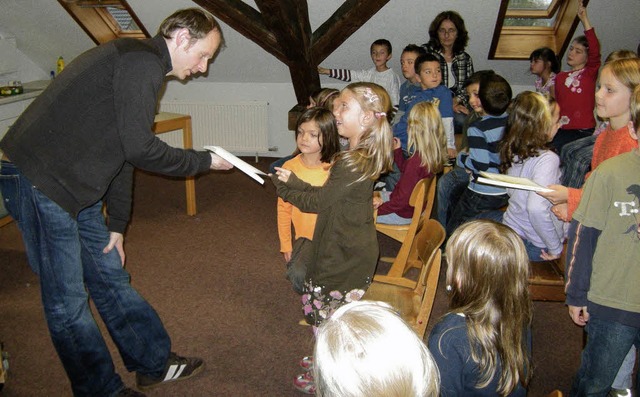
66 253
608 343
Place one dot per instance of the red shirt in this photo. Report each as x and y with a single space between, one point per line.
575 90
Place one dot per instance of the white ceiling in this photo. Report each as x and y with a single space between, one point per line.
44 31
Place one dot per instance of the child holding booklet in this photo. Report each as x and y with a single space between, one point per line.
532 122
345 244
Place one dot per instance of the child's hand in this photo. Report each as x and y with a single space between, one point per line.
287 256
460 108
322 70
452 153
283 174
582 15
579 315
547 256
377 202
561 211
560 194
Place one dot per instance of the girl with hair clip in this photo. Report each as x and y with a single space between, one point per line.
428 143
345 244
366 349
532 122
545 65
574 89
317 142
483 345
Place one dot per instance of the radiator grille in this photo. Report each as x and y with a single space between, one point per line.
239 127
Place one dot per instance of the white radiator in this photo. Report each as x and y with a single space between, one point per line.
239 127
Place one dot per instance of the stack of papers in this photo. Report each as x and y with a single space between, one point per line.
513 182
240 164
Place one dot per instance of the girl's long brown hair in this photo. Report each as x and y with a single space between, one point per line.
488 273
526 131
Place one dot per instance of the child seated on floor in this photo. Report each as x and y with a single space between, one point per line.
317 142
366 349
428 144
531 124
380 74
484 135
483 345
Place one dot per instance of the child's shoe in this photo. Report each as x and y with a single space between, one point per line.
307 363
305 383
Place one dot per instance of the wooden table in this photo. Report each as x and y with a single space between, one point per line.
165 122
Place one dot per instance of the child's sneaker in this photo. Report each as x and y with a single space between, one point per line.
307 363
305 383
177 368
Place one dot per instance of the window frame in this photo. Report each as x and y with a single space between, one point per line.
94 18
517 42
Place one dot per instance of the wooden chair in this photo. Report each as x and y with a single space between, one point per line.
431 233
546 279
415 303
422 199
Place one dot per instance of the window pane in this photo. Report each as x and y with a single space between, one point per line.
541 5
530 22
123 19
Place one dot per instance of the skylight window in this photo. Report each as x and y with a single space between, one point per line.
105 20
525 25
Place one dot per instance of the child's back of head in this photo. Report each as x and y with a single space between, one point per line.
366 349
427 138
495 94
488 272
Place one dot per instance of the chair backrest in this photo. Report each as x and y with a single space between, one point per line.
428 242
418 198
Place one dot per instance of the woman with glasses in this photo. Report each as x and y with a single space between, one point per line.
448 39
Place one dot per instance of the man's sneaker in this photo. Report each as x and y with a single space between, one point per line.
177 368
307 363
128 392
305 383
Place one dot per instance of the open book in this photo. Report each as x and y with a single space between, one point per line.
240 164
512 182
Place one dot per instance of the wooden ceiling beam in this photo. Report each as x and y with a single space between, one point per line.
351 15
245 20
288 20
282 28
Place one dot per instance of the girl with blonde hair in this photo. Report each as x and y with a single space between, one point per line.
345 245
366 349
483 345
428 143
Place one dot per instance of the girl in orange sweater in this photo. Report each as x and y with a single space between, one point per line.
618 79
317 141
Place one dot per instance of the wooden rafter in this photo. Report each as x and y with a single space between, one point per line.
282 28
